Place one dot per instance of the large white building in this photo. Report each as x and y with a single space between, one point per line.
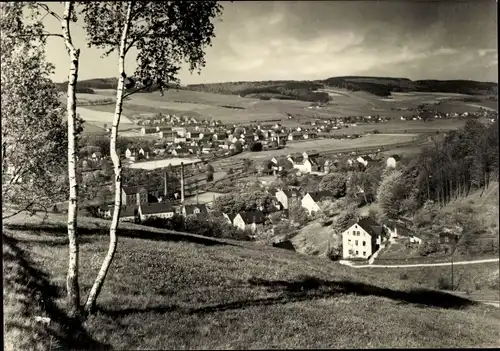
362 239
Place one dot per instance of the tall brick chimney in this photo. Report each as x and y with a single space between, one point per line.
182 182
138 198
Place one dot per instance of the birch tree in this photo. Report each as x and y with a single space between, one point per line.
35 32
165 35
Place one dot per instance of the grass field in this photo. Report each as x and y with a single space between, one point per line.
180 291
331 145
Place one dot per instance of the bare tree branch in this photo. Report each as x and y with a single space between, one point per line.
18 212
49 11
135 91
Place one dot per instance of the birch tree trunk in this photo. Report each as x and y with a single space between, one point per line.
101 276
73 289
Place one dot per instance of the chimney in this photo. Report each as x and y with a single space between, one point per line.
138 198
165 187
182 182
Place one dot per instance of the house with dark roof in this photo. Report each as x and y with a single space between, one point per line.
311 201
128 213
362 239
158 209
229 217
249 220
397 228
148 130
295 136
136 195
194 209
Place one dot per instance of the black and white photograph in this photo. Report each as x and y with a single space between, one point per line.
230 175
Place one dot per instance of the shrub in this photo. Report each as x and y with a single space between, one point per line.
55 209
210 177
334 253
230 171
255 146
403 276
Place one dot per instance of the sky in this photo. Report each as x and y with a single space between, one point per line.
308 40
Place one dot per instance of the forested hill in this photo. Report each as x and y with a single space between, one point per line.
307 90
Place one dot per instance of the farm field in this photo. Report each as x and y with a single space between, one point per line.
181 291
148 165
331 145
99 118
235 109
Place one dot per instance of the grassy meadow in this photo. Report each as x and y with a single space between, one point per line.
179 291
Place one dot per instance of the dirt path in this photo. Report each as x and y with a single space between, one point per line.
347 263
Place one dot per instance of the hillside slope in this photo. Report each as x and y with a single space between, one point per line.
173 291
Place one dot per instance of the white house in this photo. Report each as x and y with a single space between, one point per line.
130 154
303 166
392 161
363 160
311 200
286 196
361 239
161 210
249 220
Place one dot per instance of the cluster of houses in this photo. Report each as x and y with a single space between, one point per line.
312 162
190 138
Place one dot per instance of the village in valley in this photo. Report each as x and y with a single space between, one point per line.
184 153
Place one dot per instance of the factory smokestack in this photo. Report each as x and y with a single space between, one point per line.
165 189
182 182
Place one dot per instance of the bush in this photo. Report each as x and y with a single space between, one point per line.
210 177
55 209
375 131
256 146
334 253
229 171
403 276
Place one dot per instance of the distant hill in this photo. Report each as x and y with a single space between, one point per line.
87 86
379 86
307 90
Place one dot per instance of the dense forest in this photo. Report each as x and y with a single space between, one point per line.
454 164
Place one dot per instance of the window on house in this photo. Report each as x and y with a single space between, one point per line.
356 243
364 243
364 253
349 241
357 252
